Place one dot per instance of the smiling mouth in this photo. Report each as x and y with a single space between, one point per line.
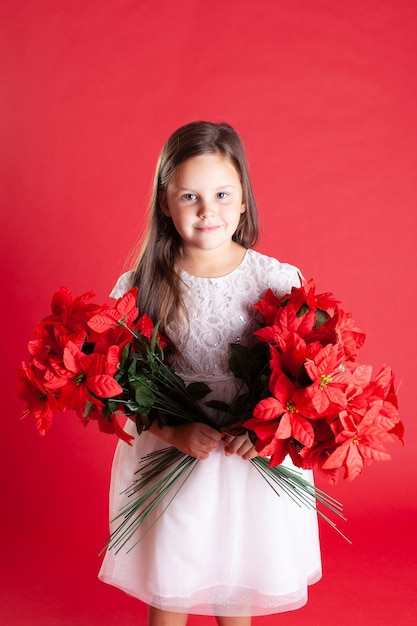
207 228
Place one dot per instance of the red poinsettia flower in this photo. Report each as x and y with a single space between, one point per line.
325 332
360 380
56 374
51 338
365 392
324 445
112 362
349 334
358 443
90 380
124 311
306 295
303 296
385 381
268 306
40 402
329 377
47 350
398 430
146 328
110 426
389 412
277 449
277 418
286 323
72 313
291 360
118 336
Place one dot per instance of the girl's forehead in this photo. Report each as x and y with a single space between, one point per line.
205 168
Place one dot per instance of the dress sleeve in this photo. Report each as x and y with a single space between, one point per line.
284 277
123 284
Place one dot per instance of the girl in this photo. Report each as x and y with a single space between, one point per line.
227 545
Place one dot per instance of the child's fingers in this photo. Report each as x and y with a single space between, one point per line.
250 454
197 440
209 432
240 445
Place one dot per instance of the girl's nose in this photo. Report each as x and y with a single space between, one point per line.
205 209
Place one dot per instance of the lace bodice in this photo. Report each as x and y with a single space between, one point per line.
220 312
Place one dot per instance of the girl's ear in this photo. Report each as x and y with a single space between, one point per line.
243 209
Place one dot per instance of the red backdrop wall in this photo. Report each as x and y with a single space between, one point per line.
324 95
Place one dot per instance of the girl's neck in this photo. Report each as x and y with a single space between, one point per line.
209 263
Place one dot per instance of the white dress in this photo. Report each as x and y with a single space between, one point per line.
227 544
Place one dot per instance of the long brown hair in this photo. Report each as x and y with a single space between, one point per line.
156 271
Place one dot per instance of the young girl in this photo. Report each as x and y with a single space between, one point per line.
227 545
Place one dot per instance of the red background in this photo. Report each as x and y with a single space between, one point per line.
324 95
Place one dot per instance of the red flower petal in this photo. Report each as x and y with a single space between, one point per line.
268 409
60 300
104 321
104 386
302 430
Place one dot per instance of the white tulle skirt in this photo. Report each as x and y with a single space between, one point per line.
226 545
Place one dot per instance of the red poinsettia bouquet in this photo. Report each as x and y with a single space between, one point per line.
303 394
313 401
103 363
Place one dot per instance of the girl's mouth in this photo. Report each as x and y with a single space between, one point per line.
207 229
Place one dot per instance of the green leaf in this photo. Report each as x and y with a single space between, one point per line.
218 405
198 390
132 367
153 341
120 375
241 407
249 364
145 397
132 406
139 380
144 393
260 357
111 405
125 354
321 318
304 308
88 406
141 423
239 360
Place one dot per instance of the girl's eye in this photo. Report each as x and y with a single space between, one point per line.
222 195
189 196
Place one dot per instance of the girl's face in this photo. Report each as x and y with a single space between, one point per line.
204 201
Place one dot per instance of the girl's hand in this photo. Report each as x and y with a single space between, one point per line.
240 445
197 440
